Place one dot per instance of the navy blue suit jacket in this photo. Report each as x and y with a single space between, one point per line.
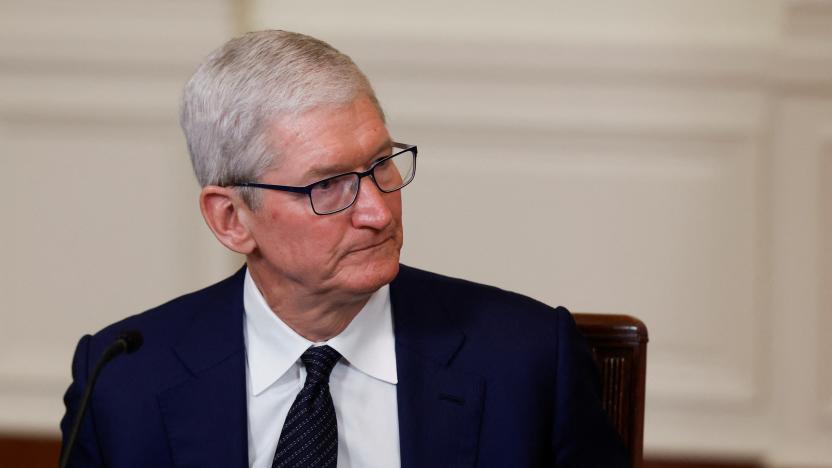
487 378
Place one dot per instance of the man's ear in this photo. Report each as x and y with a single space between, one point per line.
225 213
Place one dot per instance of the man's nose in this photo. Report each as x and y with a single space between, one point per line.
371 208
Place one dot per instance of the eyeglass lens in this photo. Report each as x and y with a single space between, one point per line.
335 194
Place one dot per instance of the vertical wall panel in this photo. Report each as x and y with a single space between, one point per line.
800 316
101 219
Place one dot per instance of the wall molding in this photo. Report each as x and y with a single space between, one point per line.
808 19
785 66
825 277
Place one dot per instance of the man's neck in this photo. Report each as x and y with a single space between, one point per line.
314 315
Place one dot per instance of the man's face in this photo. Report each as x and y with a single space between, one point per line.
352 252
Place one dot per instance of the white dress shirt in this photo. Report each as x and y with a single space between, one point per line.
362 383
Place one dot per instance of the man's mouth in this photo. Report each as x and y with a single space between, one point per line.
372 246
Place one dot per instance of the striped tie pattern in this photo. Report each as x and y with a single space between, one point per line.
309 438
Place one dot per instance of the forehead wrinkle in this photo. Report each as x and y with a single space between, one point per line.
300 130
323 170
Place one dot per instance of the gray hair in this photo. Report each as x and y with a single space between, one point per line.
247 84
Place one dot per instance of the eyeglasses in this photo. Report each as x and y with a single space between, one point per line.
337 193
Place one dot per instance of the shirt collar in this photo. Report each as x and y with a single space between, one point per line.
272 347
368 343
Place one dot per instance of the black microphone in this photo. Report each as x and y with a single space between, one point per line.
127 342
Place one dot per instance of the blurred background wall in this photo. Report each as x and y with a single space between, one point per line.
669 159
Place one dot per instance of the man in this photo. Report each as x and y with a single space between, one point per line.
324 350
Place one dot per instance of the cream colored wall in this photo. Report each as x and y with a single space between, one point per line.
100 218
674 21
659 158
664 158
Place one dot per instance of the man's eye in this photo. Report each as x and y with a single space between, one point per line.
324 185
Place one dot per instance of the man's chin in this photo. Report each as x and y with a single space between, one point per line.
368 278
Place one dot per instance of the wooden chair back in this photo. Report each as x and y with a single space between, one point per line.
619 346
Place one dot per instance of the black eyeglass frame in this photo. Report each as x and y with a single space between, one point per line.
307 189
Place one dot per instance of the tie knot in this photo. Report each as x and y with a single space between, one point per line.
319 361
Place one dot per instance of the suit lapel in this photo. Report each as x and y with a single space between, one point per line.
440 407
205 415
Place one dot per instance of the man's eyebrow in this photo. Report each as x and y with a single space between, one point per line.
317 172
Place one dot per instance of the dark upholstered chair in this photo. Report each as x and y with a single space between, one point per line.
619 345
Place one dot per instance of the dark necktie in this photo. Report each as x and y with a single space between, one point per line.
309 438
